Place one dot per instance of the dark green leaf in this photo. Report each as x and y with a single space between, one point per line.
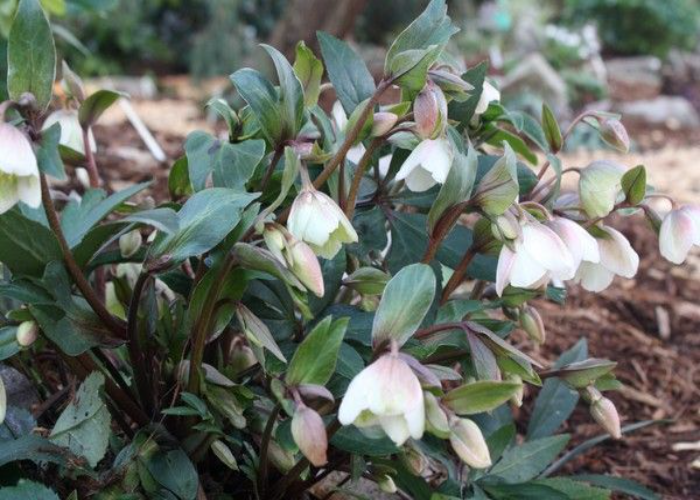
201 150
309 70
480 396
634 184
262 98
8 342
93 107
350 439
179 185
31 54
235 163
619 484
351 79
48 157
291 93
529 491
27 490
464 111
27 246
551 128
37 449
174 471
315 359
524 462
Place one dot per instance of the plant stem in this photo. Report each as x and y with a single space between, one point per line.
136 351
271 168
93 173
264 449
457 277
441 230
116 326
359 174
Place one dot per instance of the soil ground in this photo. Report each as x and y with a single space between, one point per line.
650 325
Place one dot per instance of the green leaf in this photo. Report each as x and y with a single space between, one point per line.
31 54
556 401
201 150
84 426
352 440
351 79
405 302
309 70
499 136
205 220
93 107
480 396
551 128
174 471
432 27
315 359
574 490
48 157
619 484
235 163
524 462
179 185
262 98
27 246
499 187
8 342
634 184
464 111
27 489
457 187
527 491
409 69
37 449
222 108
291 93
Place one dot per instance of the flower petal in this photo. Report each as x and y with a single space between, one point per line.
617 255
676 236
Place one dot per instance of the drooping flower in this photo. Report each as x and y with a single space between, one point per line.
386 393
309 434
19 173
427 165
680 230
617 257
430 112
71 131
383 122
318 221
600 187
538 256
582 245
488 95
130 243
469 443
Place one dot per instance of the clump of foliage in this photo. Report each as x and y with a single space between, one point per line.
322 292
640 27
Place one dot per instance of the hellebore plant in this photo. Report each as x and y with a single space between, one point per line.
322 293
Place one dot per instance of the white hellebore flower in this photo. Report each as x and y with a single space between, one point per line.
581 244
427 165
617 257
319 222
19 173
535 258
680 230
71 131
386 393
488 94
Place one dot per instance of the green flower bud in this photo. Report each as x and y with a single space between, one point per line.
130 243
469 443
615 134
368 281
600 186
531 322
224 454
605 414
27 333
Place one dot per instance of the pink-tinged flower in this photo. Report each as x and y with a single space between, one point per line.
582 245
617 257
539 256
318 221
427 165
19 173
680 230
430 112
27 333
309 434
383 122
469 443
488 95
386 393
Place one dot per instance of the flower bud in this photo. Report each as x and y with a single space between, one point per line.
604 412
599 187
387 484
679 231
531 322
469 443
27 333
368 281
615 134
83 178
3 401
383 123
72 84
506 226
130 243
489 93
242 358
451 83
224 454
414 461
430 112
282 459
275 241
435 417
517 398
304 264
309 434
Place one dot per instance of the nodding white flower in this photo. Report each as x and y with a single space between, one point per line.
488 94
130 243
535 258
427 165
469 443
680 230
318 221
582 245
430 112
617 257
19 173
71 131
600 187
386 393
